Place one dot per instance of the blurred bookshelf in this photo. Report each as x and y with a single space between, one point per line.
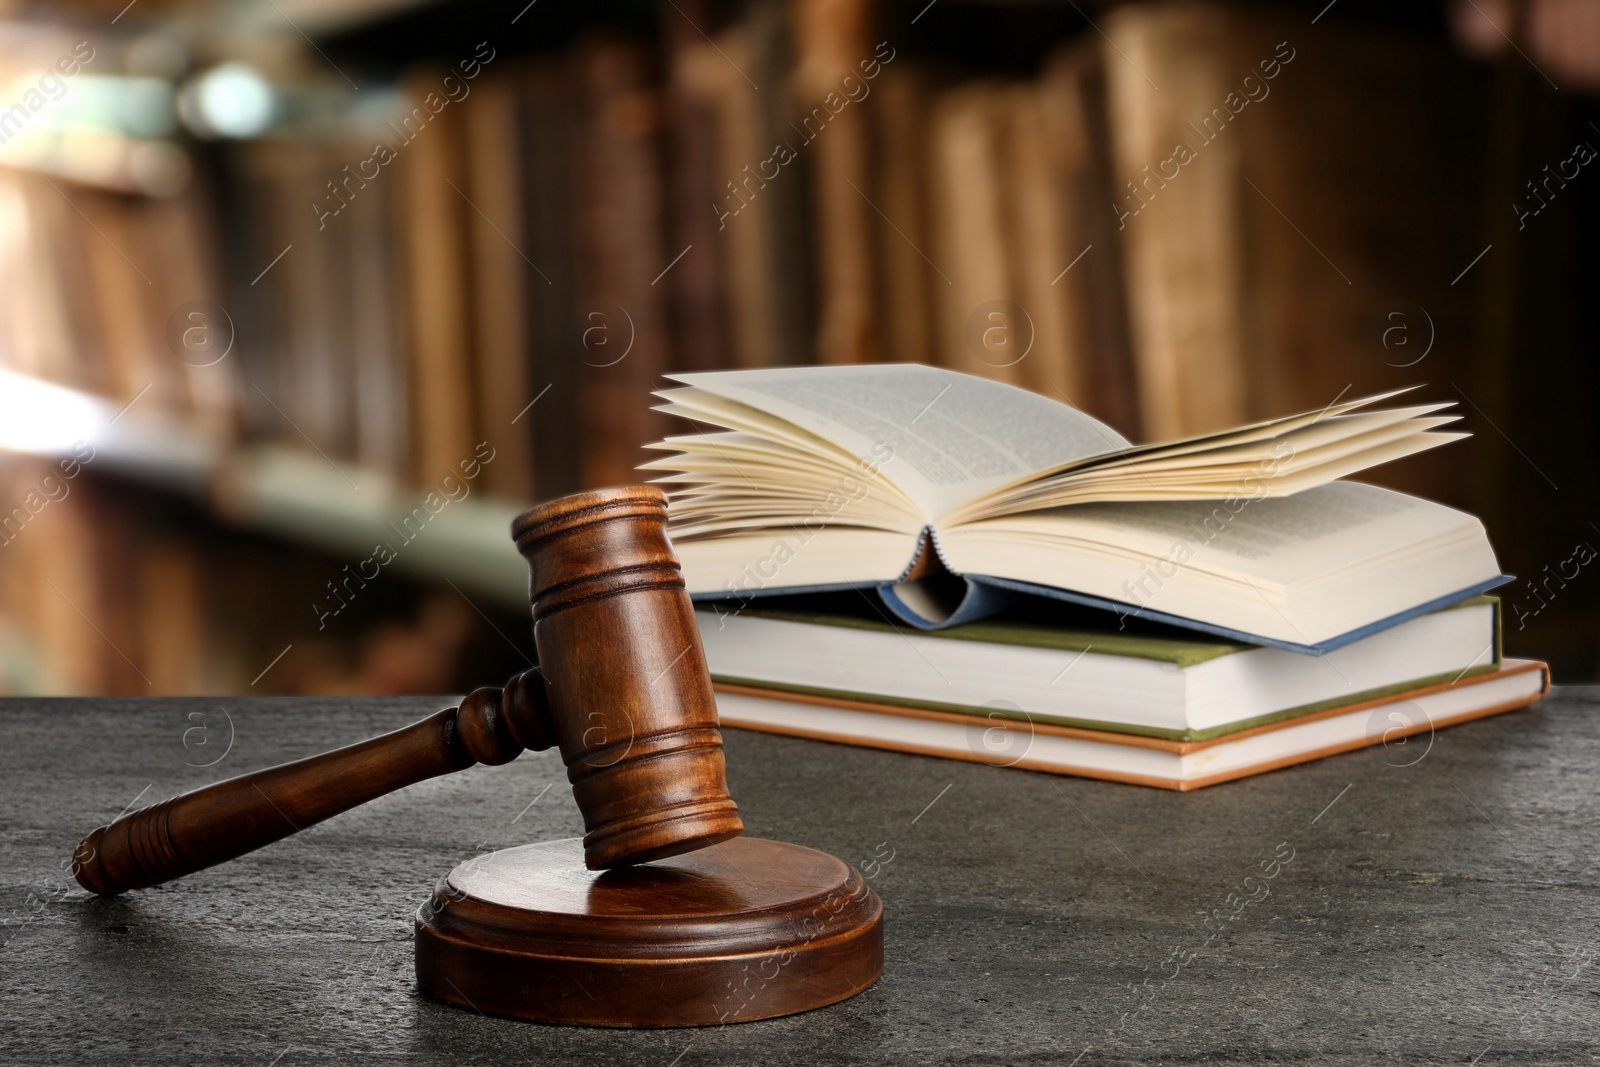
314 280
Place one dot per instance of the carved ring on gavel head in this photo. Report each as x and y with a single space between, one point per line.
622 689
629 693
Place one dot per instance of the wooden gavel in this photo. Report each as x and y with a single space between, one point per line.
621 688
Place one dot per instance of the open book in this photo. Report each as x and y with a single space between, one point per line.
948 492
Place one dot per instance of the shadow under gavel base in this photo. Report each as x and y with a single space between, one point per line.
747 929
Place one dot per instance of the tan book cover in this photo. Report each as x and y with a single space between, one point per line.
977 333
698 283
495 225
298 389
908 281
438 265
173 644
381 375
180 238
621 257
1179 765
67 568
709 72
831 37
1097 370
132 319
59 315
1038 206
1181 227
551 124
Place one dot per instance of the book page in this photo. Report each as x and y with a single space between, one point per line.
1274 459
1300 569
952 436
1278 541
1356 552
1283 540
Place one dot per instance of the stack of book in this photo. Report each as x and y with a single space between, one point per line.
1157 709
908 558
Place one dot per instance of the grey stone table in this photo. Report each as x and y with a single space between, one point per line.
1434 903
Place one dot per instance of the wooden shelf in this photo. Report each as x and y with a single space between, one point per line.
291 493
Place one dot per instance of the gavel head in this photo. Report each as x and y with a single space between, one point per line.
629 696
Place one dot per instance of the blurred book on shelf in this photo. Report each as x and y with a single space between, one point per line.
1175 217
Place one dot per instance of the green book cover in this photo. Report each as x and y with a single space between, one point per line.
1182 652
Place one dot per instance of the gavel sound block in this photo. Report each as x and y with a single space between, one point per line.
661 915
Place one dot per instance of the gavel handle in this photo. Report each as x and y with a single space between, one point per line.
220 822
